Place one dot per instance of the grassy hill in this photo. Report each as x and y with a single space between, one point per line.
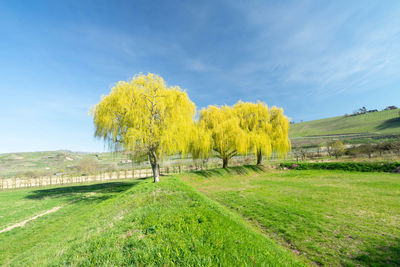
332 218
51 161
245 217
130 223
382 122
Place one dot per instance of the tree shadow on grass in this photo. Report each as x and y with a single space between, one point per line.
391 123
380 256
94 192
239 170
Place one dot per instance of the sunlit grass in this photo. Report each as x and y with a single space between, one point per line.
136 223
328 217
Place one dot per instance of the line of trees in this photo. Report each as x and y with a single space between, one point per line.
364 110
147 118
373 149
336 148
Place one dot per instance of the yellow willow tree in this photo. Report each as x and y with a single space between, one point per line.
201 142
280 132
145 116
267 130
255 121
218 129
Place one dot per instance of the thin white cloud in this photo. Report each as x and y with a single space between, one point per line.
321 48
198 65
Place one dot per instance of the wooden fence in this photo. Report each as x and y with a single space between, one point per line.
24 182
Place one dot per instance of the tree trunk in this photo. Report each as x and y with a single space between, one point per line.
154 166
259 157
224 162
156 173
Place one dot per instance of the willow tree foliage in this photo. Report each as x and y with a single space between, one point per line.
146 116
255 121
201 142
267 129
280 132
219 129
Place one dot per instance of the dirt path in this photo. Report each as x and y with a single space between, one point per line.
21 224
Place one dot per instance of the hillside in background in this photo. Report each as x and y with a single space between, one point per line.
382 122
43 163
51 161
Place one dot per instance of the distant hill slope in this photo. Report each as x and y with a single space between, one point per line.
51 161
381 122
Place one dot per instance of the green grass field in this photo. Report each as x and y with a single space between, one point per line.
133 222
328 217
382 122
243 216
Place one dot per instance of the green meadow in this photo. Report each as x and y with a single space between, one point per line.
327 217
133 222
242 216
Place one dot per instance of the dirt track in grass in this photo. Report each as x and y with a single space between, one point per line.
22 224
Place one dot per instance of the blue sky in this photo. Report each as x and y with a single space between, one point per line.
315 59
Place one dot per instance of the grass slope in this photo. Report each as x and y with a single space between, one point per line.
329 217
22 204
382 122
133 222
